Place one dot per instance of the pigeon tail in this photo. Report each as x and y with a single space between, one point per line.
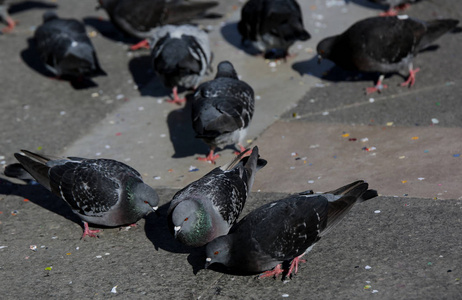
35 164
249 165
435 29
349 195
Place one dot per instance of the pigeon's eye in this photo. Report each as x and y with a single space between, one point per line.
186 219
216 253
146 202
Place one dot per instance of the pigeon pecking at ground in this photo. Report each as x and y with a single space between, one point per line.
272 26
394 6
100 191
284 230
137 17
208 207
384 45
5 17
65 48
180 56
222 110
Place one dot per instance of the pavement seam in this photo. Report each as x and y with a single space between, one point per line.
356 104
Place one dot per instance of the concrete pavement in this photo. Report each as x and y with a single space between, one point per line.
316 133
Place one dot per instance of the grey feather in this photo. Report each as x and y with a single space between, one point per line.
100 191
208 207
283 230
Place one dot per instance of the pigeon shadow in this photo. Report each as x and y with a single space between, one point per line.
108 30
145 78
182 134
40 196
31 58
232 36
26 5
327 70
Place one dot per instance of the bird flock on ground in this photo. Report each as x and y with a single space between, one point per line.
273 238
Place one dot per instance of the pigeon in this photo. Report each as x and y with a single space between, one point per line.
222 110
100 191
272 26
65 48
283 231
384 45
394 6
5 17
208 207
180 56
138 17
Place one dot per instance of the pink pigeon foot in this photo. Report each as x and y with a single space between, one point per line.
294 264
209 158
241 149
378 87
87 231
176 99
11 24
411 79
274 272
394 11
143 44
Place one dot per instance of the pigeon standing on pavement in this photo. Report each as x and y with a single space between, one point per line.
394 6
222 110
137 17
65 48
5 17
384 45
208 207
100 191
180 56
284 230
272 26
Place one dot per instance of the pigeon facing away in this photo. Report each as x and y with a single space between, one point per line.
137 17
272 26
65 48
222 110
180 56
284 230
100 191
394 6
384 45
208 207
5 17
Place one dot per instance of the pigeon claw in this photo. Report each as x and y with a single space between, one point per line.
411 79
87 231
378 88
272 273
242 149
143 44
176 99
210 158
11 24
294 264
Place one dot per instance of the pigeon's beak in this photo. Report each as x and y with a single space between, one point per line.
177 229
154 209
208 262
319 59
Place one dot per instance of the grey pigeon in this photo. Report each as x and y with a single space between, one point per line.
394 6
384 45
272 26
180 56
284 230
222 110
65 48
100 191
208 207
5 17
138 17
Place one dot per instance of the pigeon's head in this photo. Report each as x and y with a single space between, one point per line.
146 198
191 223
226 69
218 251
324 48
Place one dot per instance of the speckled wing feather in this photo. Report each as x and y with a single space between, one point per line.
91 187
